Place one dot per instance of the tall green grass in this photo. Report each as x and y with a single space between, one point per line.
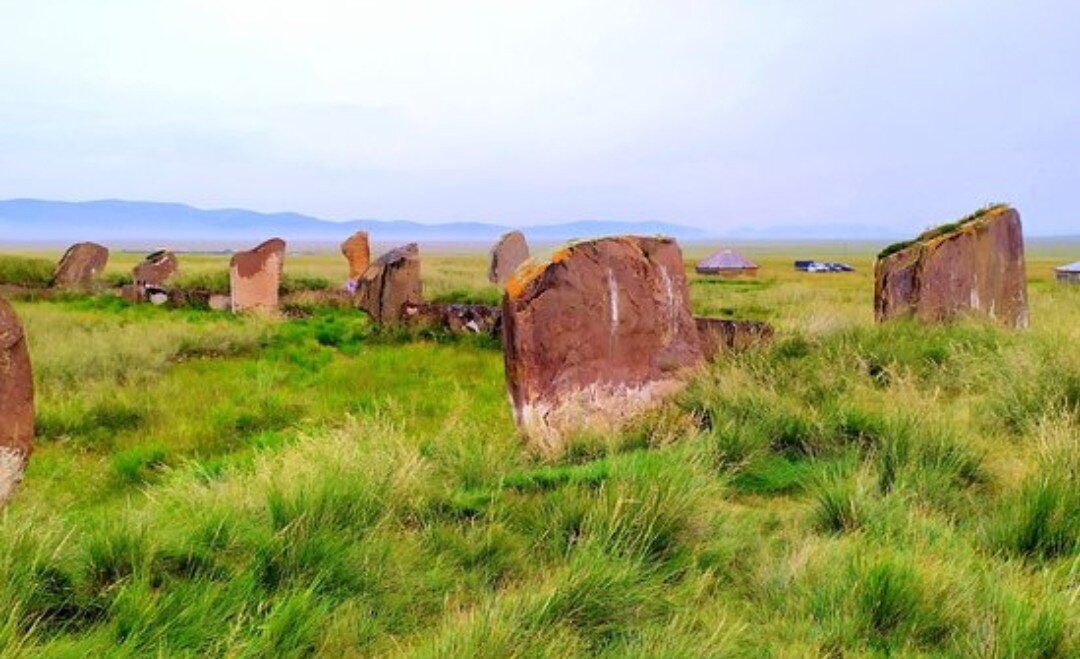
214 486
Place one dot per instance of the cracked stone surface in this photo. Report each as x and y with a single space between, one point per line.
389 283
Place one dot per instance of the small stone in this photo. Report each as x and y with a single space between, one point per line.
718 336
219 303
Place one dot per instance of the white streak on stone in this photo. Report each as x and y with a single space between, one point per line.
613 301
669 299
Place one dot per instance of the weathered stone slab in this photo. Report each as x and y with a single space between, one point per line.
16 402
509 252
357 251
255 277
389 283
972 268
156 269
81 266
718 336
594 334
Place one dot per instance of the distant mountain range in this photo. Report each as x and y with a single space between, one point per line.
142 223
33 220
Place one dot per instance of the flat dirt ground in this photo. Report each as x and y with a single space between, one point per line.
210 485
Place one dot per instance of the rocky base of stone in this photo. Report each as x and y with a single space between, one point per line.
718 336
454 318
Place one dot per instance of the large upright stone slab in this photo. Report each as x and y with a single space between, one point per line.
357 251
509 252
595 333
389 283
974 267
16 402
153 273
81 266
255 277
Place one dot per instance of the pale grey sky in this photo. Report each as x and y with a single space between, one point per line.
714 114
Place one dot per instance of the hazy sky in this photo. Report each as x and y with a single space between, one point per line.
716 114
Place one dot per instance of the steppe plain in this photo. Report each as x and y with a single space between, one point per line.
210 485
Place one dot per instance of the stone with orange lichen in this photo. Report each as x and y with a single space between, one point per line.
973 268
357 251
595 333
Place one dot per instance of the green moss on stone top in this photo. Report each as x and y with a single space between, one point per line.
942 230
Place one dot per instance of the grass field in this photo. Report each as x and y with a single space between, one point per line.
207 485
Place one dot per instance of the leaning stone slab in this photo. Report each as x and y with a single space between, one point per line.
718 336
81 266
974 267
509 252
357 251
389 283
255 277
16 402
153 273
595 333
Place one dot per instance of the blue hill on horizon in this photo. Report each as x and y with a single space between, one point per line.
154 223
35 220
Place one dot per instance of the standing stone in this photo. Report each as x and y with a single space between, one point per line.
155 271
389 283
595 333
508 253
718 336
973 267
255 277
81 265
357 250
16 402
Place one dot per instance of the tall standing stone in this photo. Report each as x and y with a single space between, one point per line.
16 402
508 253
154 272
255 277
974 267
389 283
357 251
81 266
595 333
